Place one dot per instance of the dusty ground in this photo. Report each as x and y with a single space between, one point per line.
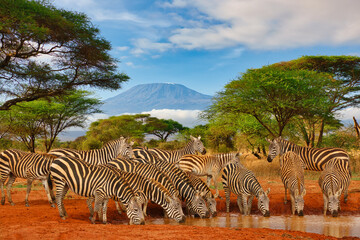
40 221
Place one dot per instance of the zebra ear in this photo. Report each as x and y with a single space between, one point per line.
199 137
268 140
168 200
132 143
303 193
267 191
338 193
192 138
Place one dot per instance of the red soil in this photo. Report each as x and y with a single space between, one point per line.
40 221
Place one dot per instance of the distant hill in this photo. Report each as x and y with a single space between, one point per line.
146 97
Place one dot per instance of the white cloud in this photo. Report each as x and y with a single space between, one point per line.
346 115
188 118
122 48
143 45
271 24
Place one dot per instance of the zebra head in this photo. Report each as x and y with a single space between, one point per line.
197 145
173 209
299 202
198 206
263 203
274 148
135 212
211 202
334 202
125 148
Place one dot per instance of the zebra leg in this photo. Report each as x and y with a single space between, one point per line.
8 188
250 200
292 204
2 192
89 202
49 192
245 204
345 194
227 196
216 187
104 211
118 208
325 204
97 206
61 190
285 197
239 202
145 207
28 189
208 179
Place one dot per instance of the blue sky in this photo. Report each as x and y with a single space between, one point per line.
204 44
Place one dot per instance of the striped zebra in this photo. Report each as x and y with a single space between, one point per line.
93 181
209 166
30 166
314 159
241 181
333 180
195 145
154 192
193 198
200 186
113 149
292 176
147 171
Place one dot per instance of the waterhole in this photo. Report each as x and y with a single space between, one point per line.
337 227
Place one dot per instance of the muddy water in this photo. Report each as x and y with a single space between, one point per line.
329 226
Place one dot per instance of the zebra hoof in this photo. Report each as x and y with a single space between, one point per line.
27 205
3 201
63 217
12 203
53 205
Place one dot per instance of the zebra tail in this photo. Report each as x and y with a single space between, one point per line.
50 182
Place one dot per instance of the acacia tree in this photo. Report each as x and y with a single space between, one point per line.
345 72
45 52
46 119
273 97
163 128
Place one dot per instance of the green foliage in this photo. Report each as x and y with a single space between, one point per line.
273 97
342 138
45 119
79 56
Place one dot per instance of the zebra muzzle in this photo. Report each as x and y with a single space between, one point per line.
267 214
334 213
301 213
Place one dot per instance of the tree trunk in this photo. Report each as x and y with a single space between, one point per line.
321 133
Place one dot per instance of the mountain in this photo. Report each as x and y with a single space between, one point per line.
146 97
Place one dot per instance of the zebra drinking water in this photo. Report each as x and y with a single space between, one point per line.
241 181
93 181
333 181
314 159
292 176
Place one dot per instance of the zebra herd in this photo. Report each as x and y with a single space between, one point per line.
134 176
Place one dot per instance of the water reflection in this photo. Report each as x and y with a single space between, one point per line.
329 226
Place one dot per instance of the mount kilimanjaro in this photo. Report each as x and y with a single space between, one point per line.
146 97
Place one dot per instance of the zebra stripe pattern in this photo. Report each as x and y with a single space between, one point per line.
314 159
113 149
155 192
93 181
209 166
147 171
333 180
242 182
292 176
194 200
195 145
31 166
205 191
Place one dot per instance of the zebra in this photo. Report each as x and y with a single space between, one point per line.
93 181
292 176
314 159
31 166
200 186
241 181
333 180
148 171
155 192
195 145
118 147
209 166
193 198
